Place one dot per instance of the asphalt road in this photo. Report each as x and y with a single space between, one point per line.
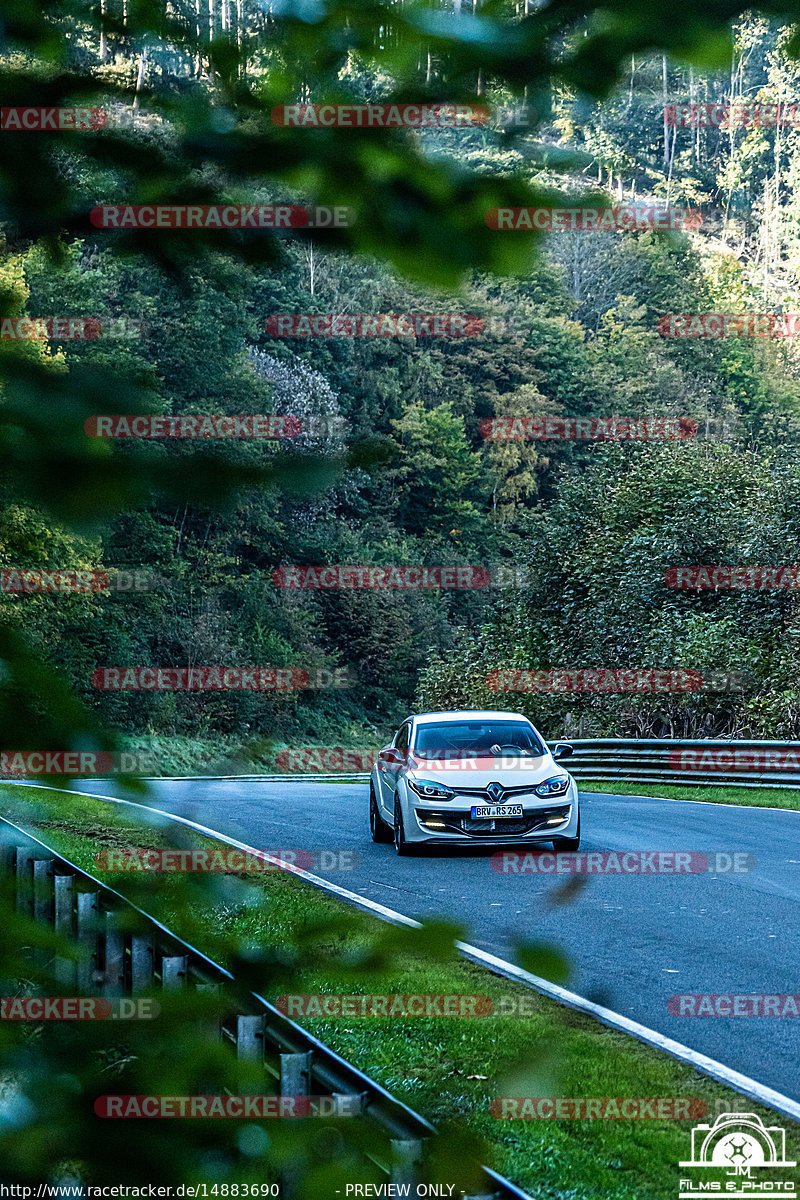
633 940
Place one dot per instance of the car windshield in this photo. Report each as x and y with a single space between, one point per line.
476 739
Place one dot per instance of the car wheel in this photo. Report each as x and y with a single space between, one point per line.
566 844
377 826
400 844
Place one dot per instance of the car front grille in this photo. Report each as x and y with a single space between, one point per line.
525 789
455 823
493 827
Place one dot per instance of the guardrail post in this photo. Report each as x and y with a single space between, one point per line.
42 900
141 963
250 1038
87 937
6 860
42 893
173 972
114 958
214 1026
407 1160
295 1081
24 870
296 1074
65 969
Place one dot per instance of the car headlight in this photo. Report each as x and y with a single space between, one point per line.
556 786
429 789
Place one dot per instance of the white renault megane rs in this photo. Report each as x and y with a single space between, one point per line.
481 777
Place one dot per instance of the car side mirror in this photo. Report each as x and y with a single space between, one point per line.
562 750
391 757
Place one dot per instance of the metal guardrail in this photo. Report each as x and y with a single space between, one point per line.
713 762
115 962
710 761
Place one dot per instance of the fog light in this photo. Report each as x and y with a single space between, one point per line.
432 822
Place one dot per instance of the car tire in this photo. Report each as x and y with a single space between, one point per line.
564 845
380 831
402 847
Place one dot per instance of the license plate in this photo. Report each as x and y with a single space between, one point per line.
484 811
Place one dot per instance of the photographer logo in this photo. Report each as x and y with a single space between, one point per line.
725 1155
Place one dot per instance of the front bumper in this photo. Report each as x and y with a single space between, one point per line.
434 821
543 822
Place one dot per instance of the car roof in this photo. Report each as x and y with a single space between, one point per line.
468 714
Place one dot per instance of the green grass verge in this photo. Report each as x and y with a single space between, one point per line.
283 936
755 797
185 755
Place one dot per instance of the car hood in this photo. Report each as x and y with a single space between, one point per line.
478 772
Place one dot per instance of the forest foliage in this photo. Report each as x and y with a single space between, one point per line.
397 470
